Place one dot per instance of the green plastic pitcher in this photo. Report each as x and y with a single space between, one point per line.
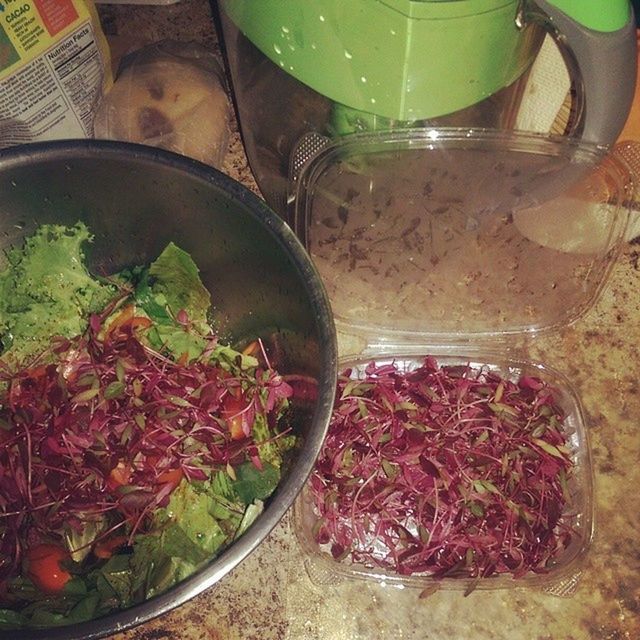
381 64
415 59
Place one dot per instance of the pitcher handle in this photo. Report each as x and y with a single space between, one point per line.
606 57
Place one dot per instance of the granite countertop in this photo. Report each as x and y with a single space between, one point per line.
270 596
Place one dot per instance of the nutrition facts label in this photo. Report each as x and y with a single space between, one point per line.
52 71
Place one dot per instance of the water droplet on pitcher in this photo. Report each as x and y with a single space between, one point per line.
285 29
363 79
277 49
321 18
347 55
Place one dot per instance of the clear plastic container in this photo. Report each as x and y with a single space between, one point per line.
459 244
323 568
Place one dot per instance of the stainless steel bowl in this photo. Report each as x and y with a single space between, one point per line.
135 200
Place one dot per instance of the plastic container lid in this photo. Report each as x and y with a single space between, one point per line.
452 243
448 236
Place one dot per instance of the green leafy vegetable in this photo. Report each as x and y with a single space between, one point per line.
168 290
177 278
166 442
271 451
47 291
250 515
254 484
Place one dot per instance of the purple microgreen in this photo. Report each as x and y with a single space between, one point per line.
443 471
102 426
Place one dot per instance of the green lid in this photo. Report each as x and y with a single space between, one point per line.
400 59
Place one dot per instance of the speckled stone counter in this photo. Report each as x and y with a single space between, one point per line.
270 595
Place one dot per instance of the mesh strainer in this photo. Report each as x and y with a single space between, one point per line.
629 151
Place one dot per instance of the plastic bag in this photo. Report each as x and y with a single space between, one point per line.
170 95
54 68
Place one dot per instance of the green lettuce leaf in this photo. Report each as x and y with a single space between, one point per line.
228 358
225 506
115 581
154 304
10 619
271 451
176 277
187 536
255 484
46 291
250 516
176 340
172 284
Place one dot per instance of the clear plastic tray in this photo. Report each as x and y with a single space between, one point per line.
442 235
560 579
458 243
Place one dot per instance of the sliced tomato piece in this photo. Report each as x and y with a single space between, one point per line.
140 322
126 319
171 476
119 475
233 411
252 349
125 315
105 548
45 569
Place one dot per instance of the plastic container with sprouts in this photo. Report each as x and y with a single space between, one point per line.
454 244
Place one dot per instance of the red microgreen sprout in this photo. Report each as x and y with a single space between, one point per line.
443 471
111 426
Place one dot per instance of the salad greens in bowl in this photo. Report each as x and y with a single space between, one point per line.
167 374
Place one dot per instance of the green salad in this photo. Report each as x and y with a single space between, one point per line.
134 445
